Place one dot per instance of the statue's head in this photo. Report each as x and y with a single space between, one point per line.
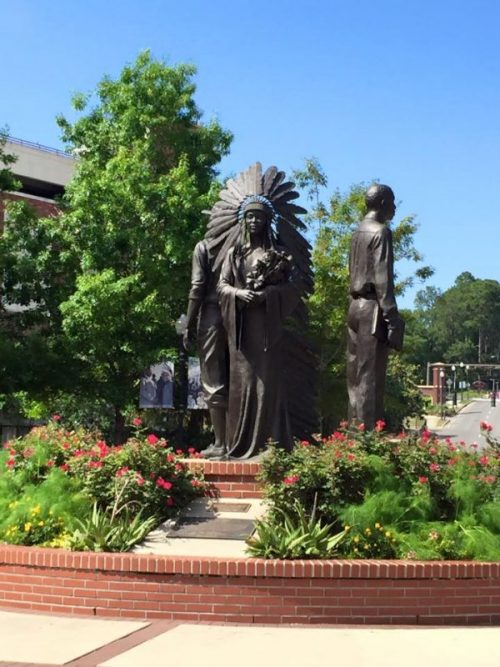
380 198
257 216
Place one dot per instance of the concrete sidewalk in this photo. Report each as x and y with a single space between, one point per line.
33 639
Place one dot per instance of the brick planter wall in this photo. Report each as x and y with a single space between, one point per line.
229 479
250 590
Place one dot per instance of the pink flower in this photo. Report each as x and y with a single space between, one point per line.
170 458
423 480
152 439
489 479
351 457
361 427
179 452
484 426
291 479
484 460
50 463
139 479
64 467
379 425
433 450
191 450
56 418
425 435
434 467
195 482
137 421
95 464
170 501
122 471
344 424
10 462
28 452
163 484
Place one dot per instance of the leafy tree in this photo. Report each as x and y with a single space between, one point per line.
334 224
464 321
110 275
7 179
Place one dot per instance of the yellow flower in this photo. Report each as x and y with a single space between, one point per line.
388 533
41 523
368 531
347 528
378 526
13 504
36 509
27 527
356 539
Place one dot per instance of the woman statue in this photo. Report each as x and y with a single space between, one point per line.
256 295
254 245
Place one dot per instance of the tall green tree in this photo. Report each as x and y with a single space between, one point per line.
131 216
464 321
333 225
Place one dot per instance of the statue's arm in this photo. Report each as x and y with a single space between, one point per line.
199 280
383 256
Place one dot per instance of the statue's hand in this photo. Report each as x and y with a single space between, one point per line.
187 339
247 295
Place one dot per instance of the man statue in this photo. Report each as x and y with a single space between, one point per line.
374 324
204 315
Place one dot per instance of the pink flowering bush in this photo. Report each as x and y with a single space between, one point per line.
405 496
144 473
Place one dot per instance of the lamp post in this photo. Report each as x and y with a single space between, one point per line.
467 379
462 366
454 369
181 376
441 390
493 393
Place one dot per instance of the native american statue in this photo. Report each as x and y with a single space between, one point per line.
262 265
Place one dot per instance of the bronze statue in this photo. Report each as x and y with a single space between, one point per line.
204 314
374 323
265 273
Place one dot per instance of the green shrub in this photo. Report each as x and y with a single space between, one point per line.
414 486
64 472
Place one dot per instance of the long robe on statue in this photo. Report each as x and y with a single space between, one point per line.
257 408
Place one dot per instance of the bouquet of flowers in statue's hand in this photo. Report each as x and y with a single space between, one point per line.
273 268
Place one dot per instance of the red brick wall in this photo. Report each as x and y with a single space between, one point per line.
230 479
43 208
250 590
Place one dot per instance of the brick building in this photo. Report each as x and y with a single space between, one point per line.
43 173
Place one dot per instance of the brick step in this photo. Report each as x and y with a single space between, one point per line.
230 479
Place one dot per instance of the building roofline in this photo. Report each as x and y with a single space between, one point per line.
40 147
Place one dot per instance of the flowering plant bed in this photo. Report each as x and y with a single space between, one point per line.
70 488
410 496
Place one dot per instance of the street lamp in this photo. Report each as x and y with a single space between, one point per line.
441 390
467 379
493 393
462 365
454 369
181 377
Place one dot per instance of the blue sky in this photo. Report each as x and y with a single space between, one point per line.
402 91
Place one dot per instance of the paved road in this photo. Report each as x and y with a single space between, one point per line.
465 425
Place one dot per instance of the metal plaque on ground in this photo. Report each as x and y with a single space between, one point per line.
216 528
